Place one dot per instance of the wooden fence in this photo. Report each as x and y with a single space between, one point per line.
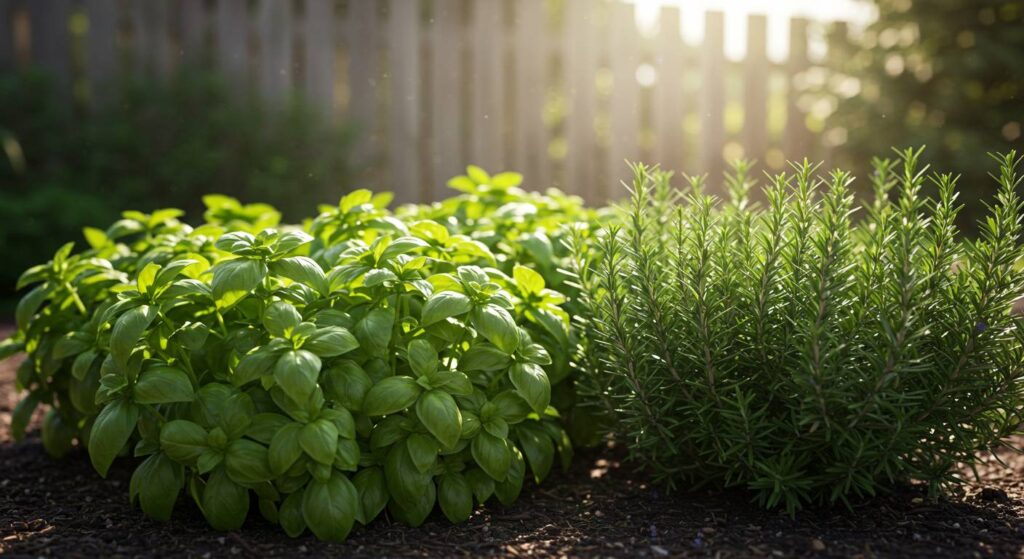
562 90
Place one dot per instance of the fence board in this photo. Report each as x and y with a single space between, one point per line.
194 21
404 117
51 44
6 34
530 149
755 92
668 106
487 79
581 59
446 95
151 35
319 54
796 138
275 28
233 43
101 49
712 102
624 121
364 76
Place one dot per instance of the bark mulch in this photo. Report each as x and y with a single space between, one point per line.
600 508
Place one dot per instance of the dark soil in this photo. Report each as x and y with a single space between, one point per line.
599 508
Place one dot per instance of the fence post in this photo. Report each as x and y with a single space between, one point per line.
668 106
755 92
275 32
581 58
363 76
712 100
795 137
446 96
624 121
233 43
51 44
530 154
319 53
101 50
488 83
404 113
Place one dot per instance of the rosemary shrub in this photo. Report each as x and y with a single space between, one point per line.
795 348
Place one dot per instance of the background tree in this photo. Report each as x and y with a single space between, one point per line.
943 73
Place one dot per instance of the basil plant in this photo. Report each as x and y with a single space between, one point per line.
329 372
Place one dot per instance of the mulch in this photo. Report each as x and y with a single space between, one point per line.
600 508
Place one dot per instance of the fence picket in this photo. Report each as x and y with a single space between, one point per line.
668 106
530 149
275 29
404 117
624 142
795 139
755 92
363 77
319 55
151 38
233 43
447 155
101 49
712 100
51 44
487 83
581 59
193 21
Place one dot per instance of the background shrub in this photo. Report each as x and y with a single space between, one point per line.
792 351
154 145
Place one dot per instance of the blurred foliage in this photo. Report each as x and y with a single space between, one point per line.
941 73
154 145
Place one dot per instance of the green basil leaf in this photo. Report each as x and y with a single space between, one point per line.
246 462
347 383
455 497
265 425
484 357
302 269
163 385
126 333
444 304
511 406
538 449
284 448
290 515
391 395
157 482
440 414
330 508
495 324
224 503
58 436
320 440
481 484
374 330
253 365
182 441
331 341
414 512
114 425
346 457
528 281
373 493
508 490
235 241
29 305
296 372
422 357
280 318
423 451
492 455
532 384
234 279
22 414
291 240
405 482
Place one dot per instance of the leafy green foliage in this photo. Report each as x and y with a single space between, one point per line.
793 350
329 372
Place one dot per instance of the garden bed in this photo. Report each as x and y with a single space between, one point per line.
62 508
